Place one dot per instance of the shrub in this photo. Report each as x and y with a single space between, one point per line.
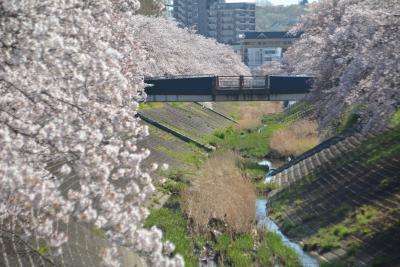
341 231
266 187
173 187
220 192
295 139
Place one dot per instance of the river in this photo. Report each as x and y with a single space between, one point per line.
263 221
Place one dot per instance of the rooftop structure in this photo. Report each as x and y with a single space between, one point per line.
260 48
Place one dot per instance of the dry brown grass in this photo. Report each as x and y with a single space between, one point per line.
252 113
295 139
220 192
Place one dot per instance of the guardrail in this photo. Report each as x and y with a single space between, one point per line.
168 76
241 82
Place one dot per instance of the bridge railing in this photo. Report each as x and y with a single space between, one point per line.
181 76
241 82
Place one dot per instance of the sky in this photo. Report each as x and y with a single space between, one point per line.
275 2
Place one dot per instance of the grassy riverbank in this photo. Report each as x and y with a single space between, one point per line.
256 142
239 150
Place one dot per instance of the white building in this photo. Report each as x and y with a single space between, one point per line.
260 56
258 48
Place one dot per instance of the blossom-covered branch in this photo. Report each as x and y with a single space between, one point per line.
351 46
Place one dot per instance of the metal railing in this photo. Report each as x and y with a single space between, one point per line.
241 82
180 76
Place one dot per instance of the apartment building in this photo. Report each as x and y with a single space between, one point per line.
228 22
193 13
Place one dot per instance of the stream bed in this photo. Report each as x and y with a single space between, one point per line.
263 221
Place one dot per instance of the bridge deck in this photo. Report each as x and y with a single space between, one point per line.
227 88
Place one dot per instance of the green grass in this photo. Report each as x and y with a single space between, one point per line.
263 187
235 250
239 251
323 241
335 236
289 197
395 120
98 232
179 174
178 179
273 245
298 202
348 120
222 243
295 111
353 247
383 146
43 249
249 143
341 231
264 255
252 169
143 106
235 115
254 143
172 187
193 157
178 104
174 227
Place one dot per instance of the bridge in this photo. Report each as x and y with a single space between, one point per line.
208 88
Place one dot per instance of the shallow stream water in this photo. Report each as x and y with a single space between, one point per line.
263 221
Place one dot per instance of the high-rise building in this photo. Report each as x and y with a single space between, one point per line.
193 13
227 22
186 12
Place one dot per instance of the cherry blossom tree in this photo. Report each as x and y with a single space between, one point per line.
273 68
176 51
68 81
351 46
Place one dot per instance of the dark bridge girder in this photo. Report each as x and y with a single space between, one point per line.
227 88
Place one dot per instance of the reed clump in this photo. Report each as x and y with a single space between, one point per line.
251 114
220 196
295 139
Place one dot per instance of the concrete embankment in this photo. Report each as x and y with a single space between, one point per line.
342 200
176 130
